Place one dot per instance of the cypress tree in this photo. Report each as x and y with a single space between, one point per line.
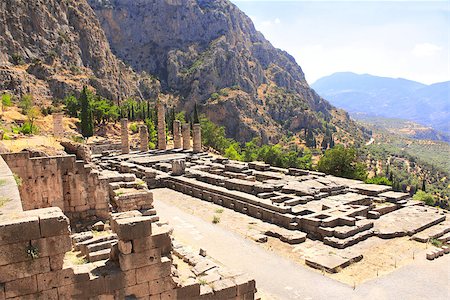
196 120
87 126
424 185
331 142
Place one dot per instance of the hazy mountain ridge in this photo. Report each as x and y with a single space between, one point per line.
389 97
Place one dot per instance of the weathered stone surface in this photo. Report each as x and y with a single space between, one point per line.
177 134
153 272
133 228
197 138
24 269
58 128
124 136
143 138
125 247
24 228
137 260
178 167
186 132
161 126
20 287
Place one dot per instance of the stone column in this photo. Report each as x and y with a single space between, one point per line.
124 136
186 131
176 134
161 127
197 137
178 167
143 136
58 128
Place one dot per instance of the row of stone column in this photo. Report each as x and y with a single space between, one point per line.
181 134
183 140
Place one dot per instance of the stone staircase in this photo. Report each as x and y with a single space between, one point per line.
95 248
342 237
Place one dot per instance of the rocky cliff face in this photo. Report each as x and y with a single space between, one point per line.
210 53
52 48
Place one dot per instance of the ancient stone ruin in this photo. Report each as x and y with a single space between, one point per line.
79 230
58 127
83 225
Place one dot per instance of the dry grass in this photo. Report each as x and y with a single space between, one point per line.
3 201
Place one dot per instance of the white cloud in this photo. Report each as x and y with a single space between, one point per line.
277 21
425 50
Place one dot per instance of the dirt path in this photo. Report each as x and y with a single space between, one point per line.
226 242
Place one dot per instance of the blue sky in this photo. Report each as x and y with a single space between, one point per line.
408 39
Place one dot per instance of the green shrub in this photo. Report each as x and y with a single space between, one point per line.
17 179
6 100
215 96
379 180
436 242
134 128
28 128
427 198
26 102
17 59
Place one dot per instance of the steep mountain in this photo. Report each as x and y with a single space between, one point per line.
209 53
389 97
52 48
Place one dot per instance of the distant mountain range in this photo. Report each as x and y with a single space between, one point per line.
389 97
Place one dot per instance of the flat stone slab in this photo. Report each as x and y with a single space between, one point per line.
406 221
371 189
435 231
394 196
158 158
331 263
346 199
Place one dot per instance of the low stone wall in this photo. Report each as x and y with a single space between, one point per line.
100 148
60 181
34 264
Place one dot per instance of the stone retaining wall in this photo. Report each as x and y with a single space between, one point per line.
34 264
60 181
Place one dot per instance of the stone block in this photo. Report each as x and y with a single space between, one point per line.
53 222
160 238
12 253
189 291
224 289
20 287
133 228
161 285
44 295
137 260
153 272
52 245
24 228
49 280
57 262
125 247
24 269
244 284
169 295
431 255
138 291
178 167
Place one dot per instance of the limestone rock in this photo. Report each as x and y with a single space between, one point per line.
56 42
212 54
